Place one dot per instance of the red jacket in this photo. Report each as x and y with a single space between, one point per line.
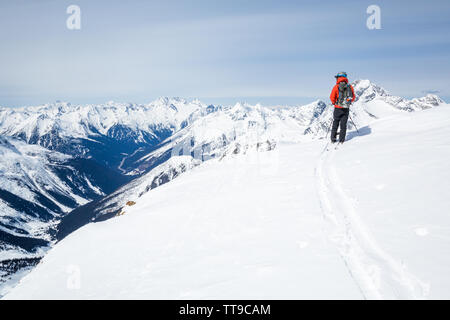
335 92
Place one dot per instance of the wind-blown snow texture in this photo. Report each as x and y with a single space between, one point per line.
249 223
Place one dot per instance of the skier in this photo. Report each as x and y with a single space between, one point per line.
341 96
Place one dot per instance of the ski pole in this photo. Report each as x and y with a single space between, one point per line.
353 122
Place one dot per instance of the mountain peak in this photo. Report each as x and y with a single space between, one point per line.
368 90
170 100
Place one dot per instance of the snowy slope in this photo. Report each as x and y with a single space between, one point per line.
116 202
394 182
224 229
368 220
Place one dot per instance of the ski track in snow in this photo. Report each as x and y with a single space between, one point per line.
377 274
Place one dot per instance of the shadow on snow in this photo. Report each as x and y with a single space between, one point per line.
364 131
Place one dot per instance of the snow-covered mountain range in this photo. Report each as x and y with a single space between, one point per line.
103 132
64 166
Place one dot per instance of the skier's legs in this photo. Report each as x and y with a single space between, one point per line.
334 128
343 123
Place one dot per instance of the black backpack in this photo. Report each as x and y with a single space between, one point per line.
345 95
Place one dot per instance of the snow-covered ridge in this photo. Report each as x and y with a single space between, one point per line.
368 91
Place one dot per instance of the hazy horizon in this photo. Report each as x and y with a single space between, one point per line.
269 52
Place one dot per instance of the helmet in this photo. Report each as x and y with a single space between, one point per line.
341 74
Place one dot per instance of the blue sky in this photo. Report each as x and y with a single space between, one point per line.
273 52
